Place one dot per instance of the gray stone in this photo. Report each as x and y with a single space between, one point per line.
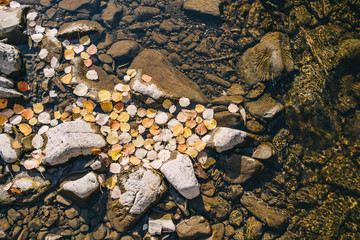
141 188
196 227
143 13
124 50
179 171
271 216
10 59
263 152
269 59
54 48
238 168
265 108
160 223
7 153
167 81
12 24
203 8
112 13
6 83
79 28
70 139
9 93
223 138
80 189
85 6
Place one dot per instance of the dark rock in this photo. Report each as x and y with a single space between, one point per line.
218 231
265 108
217 80
208 188
310 195
167 81
54 47
236 218
170 25
227 119
175 59
254 126
143 13
12 24
85 6
112 13
105 58
202 8
303 17
159 39
235 89
4 225
216 206
124 50
267 60
35 224
194 228
238 168
253 229
107 42
48 215
272 217
256 91
99 232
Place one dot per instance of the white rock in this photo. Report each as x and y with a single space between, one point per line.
67 70
54 63
92 75
43 53
49 72
115 168
127 78
223 138
10 59
131 110
82 187
160 223
161 118
7 153
78 48
172 123
44 118
233 108
54 122
164 155
70 139
37 141
51 32
81 90
37 37
14 4
15 120
39 29
179 171
115 192
31 16
96 165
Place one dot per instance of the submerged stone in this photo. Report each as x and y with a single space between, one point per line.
12 24
265 108
223 138
79 28
203 8
85 6
10 59
196 227
7 153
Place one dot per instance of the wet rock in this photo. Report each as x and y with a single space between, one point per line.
310 195
112 13
7 153
218 231
179 171
303 17
236 218
167 81
208 188
85 6
141 188
160 223
204 8
9 93
175 59
254 126
124 50
70 139
48 215
264 151
223 138
54 47
4 225
31 188
99 232
159 39
12 24
226 100
343 173
143 13
216 206
75 29
253 229
265 108
228 119
256 91
35 224
267 60
10 59
324 222
6 83
272 217
170 25
80 189
235 89
194 228
238 168
215 79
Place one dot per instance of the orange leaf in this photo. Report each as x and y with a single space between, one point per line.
76 110
134 160
147 122
89 118
15 191
18 108
27 113
38 107
115 125
88 106
146 78
116 97
88 62
201 129
26 129
3 103
119 107
155 129
23 86
3 119
4 2
66 79
182 148
129 148
95 151
92 49
16 144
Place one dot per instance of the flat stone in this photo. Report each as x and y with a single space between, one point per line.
80 189
228 119
70 139
10 59
9 93
238 168
6 83
271 216
12 24
216 207
223 138
143 13
276 60
79 28
179 171
85 6
124 50
196 227
203 8
265 108
263 152
167 81
160 223
7 153
112 13
142 188
54 48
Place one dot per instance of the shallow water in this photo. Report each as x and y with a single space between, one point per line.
314 175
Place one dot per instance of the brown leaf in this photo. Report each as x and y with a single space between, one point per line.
201 129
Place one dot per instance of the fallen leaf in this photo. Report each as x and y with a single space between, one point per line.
192 152
38 107
92 49
4 2
146 78
155 129
200 145
66 79
114 125
27 113
116 97
201 129
89 118
129 148
199 108
3 119
18 108
106 106
112 138
191 114
178 130
85 40
123 117
95 151
110 183
147 122
210 124
151 113
233 108
119 107
69 54
124 127
184 102
16 145
33 121
76 110
3 103
113 115
141 112
131 72
26 129
88 106
15 191
84 55
134 160
23 86
182 148
88 62
104 95
187 132
190 123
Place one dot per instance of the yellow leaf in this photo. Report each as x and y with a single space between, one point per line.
3 103
104 95
89 118
114 154
192 152
151 113
85 40
66 79
155 129
84 55
69 54
199 108
210 124
200 145
166 104
106 106
178 130
116 97
33 121
187 132
38 107
124 127
26 129
88 106
57 115
16 144
123 117
110 183
134 160
147 122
